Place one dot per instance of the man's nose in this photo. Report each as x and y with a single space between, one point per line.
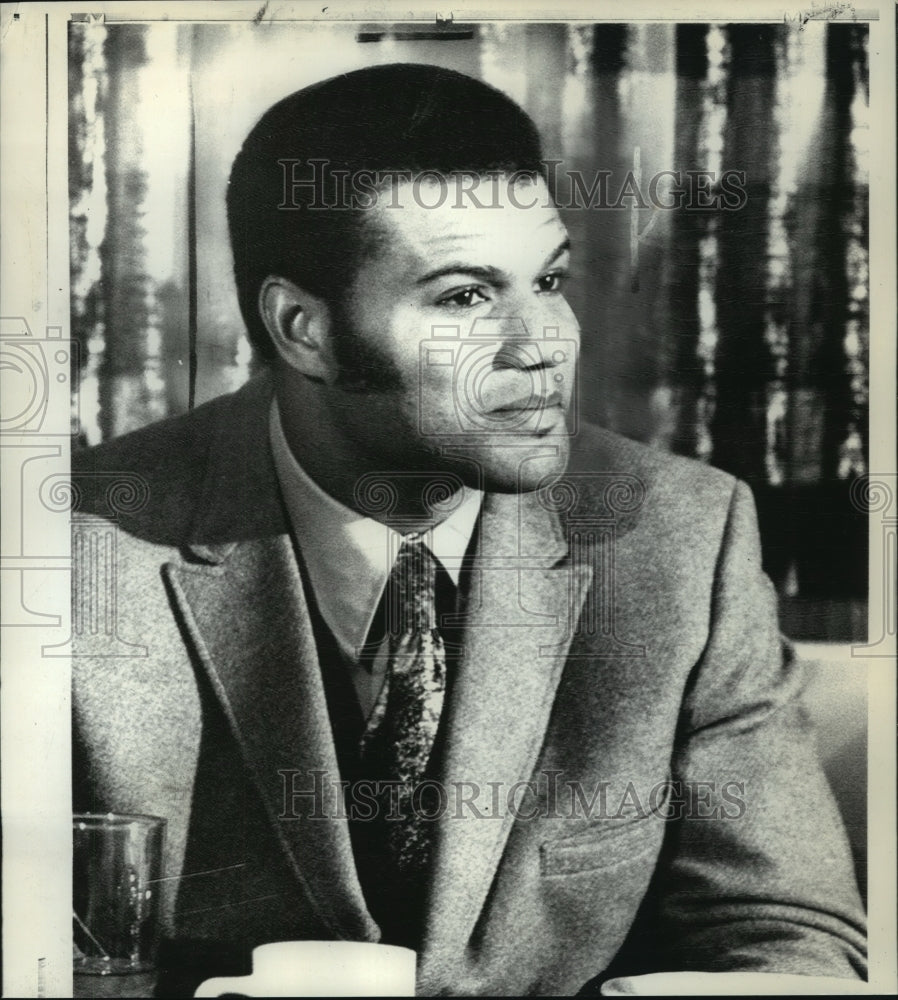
539 343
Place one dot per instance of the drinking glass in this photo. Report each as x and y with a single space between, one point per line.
116 872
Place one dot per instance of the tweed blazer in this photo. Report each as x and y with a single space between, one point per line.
631 785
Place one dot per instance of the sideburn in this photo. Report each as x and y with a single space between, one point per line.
361 366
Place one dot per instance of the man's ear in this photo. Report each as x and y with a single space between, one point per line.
299 325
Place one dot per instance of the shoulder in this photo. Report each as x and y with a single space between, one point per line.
164 445
672 510
670 481
151 481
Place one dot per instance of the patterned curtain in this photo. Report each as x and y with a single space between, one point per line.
731 325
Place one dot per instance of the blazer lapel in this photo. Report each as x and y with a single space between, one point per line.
245 611
526 596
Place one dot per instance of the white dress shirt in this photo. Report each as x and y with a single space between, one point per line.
349 557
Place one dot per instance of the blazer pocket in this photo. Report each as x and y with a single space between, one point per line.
601 848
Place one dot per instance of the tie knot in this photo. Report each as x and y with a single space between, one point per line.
414 579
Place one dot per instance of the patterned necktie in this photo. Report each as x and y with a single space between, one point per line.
403 724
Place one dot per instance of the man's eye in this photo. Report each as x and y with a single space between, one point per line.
464 299
553 282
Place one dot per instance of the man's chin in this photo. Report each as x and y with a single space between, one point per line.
523 470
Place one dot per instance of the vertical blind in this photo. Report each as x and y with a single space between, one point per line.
731 329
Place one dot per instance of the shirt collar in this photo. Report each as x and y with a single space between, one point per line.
348 556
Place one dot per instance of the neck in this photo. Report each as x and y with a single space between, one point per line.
350 475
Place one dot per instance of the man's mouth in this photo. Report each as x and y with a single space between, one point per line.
530 403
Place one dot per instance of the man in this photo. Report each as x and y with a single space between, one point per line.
426 661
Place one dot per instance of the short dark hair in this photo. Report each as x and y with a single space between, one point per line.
399 117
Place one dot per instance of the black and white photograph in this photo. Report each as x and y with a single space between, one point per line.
450 509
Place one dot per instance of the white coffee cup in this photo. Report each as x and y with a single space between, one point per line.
323 969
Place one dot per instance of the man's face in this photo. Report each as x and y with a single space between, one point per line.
459 348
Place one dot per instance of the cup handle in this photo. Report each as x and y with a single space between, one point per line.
223 984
